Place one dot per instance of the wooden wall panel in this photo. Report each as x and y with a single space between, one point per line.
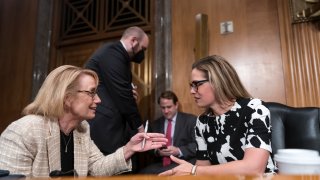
76 48
253 48
301 58
17 40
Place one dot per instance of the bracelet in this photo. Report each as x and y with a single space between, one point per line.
193 170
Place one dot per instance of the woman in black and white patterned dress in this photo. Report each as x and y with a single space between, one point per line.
234 133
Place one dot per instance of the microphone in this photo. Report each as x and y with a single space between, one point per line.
4 172
57 173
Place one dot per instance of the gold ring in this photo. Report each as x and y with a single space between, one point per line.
172 172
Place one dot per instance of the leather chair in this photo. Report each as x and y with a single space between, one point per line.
294 127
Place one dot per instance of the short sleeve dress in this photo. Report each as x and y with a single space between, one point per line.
224 138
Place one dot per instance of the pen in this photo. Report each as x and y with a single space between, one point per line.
145 132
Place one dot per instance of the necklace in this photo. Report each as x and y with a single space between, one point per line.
66 143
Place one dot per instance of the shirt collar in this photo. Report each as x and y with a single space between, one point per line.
124 45
174 118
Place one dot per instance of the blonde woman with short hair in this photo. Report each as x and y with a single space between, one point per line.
53 138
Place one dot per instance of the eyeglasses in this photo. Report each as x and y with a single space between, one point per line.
92 94
195 84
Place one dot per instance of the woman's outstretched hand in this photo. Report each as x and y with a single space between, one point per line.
152 141
184 168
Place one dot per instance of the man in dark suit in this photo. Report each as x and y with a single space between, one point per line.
179 129
112 63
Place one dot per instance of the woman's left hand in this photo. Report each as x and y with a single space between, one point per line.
184 168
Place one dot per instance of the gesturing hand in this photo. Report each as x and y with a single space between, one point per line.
153 141
184 168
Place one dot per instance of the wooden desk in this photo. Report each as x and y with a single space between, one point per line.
227 177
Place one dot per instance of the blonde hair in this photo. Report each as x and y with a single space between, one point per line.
223 78
61 82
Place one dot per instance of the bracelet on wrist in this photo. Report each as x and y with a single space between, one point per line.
193 170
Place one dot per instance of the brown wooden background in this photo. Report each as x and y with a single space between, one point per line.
253 48
17 39
276 60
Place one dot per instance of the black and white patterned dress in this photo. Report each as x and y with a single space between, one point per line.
224 138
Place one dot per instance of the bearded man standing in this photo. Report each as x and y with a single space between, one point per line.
118 107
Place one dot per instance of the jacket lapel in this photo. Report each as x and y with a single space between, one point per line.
80 161
161 125
177 129
53 146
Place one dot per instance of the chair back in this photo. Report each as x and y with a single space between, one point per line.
294 127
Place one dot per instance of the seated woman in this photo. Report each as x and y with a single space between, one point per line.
53 136
233 135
